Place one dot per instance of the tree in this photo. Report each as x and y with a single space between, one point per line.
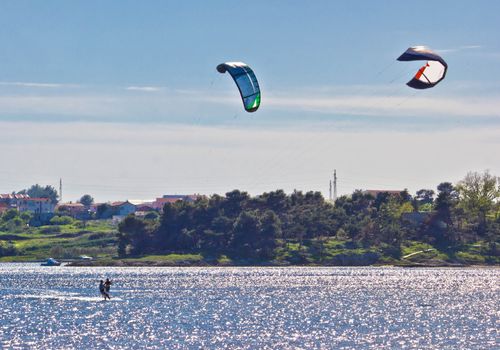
37 191
104 211
234 203
405 196
382 198
122 245
87 200
152 215
245 233
276 201
478 194
10 214
135 232
446 199
389 222
270 230
425 196
61 220
446 202
165 236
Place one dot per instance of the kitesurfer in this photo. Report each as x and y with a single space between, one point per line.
102 289
107 285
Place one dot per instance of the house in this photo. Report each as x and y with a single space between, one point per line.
159 203
172 198
93 207
75 210
36 205
12 200
145 207
122 208
23 202
101 210
142 204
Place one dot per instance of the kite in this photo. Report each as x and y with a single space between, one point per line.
246 81
429 75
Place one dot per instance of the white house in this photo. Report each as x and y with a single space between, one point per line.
123 208
36 205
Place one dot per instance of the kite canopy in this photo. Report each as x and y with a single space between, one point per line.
429 75
246 81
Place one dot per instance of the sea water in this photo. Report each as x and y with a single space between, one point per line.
249 308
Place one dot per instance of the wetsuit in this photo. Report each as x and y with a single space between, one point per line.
107 286
102 289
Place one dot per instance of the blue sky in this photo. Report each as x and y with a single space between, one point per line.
87 88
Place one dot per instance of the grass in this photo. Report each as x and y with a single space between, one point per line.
325 250
475 253
411 247
96 238
169 258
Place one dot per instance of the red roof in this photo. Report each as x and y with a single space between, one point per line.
37 199
117 204
71 205
14 196
167 200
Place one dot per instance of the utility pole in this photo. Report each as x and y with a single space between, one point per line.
330 193
60 190
334 185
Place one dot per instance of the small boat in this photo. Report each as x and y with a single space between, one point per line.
86 257
51 262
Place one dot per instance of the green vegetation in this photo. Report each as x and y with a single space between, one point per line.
37 191
303 228
69 241
460 225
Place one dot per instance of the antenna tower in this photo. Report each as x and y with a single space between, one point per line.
330 193
334 185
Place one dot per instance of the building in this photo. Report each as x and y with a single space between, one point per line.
36 205
122 208
12 200
93 207
142 204
145 207
75 210
172 198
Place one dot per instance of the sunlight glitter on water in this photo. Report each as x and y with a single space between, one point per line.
249 308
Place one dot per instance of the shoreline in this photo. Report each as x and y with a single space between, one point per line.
132 263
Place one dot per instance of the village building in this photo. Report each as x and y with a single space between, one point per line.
12 200
75 210
122 208
172 198
145 207
36 205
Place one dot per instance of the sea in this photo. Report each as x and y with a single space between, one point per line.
249 308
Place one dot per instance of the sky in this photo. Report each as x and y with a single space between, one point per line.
121 99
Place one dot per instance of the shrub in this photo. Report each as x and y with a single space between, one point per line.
7 249
61 220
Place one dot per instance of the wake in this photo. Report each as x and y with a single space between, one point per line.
64 297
